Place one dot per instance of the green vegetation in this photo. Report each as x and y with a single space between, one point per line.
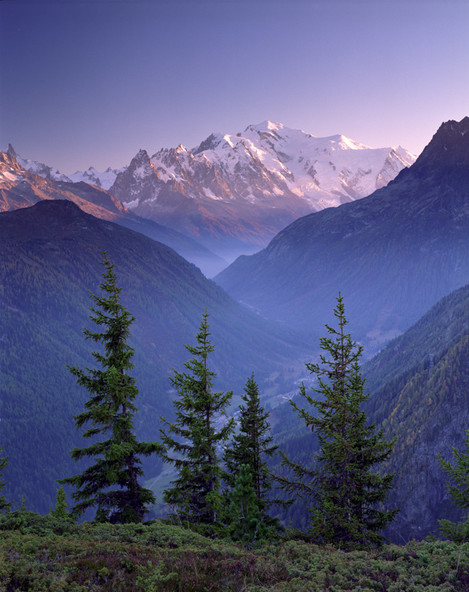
43 553
4 505
251 447
426 410
111 484
344 484
458 489
421 396
54 553
190 443
245 522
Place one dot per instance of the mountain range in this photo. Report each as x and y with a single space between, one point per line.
233 192
104 180
392 254
20 188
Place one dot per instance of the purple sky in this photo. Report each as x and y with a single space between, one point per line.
89 82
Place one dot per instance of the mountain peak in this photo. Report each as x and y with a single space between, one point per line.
457 127
11 151
141 159
450 131
341 142
266 126
449 147
9 162
142 155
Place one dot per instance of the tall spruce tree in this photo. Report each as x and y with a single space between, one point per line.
111 484
344 483
4 505
252 445
191 441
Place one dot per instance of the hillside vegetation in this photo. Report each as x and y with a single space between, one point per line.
43 553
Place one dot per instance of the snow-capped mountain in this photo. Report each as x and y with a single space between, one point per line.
20 188
234 192
103 179
91 176
37 168
392 254
323 171
245 187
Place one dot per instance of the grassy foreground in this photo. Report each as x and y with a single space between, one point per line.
47 554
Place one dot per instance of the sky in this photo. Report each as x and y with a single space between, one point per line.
90 82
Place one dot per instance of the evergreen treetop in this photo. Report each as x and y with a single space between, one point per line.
252 445
111 484
343 481
191 441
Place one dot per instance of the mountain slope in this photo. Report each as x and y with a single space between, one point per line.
420 386
21 188
50 261
392 254
235 191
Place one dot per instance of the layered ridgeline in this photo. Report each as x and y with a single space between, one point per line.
22 187
51 259
392 254
234 192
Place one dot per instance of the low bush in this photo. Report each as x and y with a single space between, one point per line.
46 554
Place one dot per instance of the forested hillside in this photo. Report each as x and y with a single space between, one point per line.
418 389
51 259
420 386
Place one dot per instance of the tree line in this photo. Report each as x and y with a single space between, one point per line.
223 485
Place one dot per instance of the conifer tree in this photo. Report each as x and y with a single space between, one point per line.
191 441
246 523
458 489
60 511
4 505
252 445
344 484
459 474
111 484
